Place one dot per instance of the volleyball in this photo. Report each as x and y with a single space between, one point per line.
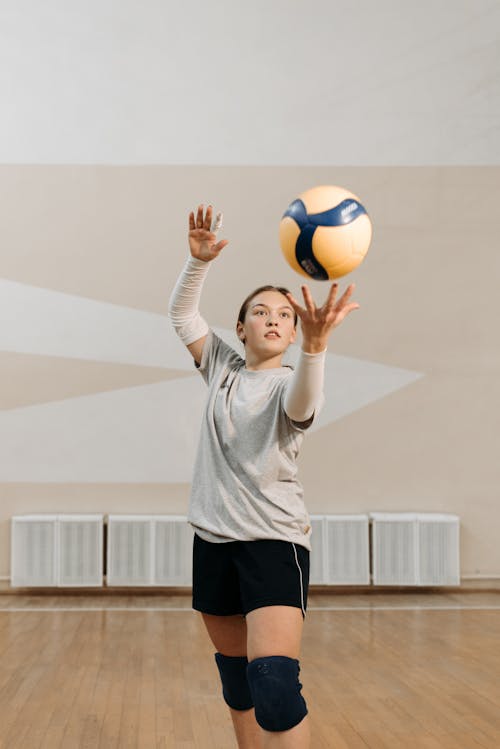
325 233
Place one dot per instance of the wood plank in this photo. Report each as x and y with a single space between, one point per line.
372 679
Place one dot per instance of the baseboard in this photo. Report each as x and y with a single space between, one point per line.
467 585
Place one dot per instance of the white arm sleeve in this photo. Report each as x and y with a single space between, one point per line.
306 387
184 300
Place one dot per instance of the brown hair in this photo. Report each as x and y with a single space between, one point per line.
269 287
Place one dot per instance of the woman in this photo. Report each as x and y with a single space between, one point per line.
252 530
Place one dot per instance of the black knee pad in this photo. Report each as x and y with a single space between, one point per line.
275 689
233 674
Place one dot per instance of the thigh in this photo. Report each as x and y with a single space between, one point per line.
215 580
274 630
228 633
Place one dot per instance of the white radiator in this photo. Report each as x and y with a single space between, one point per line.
56 550
340 550
415 549
394 548
148 550
33 558
80 550
439 549
173 551
348 550
317 559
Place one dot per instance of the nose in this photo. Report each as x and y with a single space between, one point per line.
272 322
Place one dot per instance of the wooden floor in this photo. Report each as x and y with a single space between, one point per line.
402 671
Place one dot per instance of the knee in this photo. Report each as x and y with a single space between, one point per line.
275 689
233 674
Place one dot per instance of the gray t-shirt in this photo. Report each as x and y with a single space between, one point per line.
245 483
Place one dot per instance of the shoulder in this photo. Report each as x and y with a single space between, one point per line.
217 353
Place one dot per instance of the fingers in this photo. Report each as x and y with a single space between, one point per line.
296 306
343 308
201 222
346 295
208 219
220 245
343 299
330 301
309 301
311 307
330 314
216 223
344 312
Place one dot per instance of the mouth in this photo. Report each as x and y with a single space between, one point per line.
272 334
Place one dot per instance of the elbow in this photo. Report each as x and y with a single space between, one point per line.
300 415
298 410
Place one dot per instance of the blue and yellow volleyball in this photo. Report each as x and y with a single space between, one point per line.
325 233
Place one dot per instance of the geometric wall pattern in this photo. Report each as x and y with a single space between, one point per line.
140 434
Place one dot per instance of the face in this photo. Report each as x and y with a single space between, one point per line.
269 323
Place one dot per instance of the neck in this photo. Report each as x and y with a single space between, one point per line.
254 362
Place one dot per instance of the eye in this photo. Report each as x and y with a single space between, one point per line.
286 314
259 312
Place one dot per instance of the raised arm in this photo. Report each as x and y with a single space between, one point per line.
183 304
306 387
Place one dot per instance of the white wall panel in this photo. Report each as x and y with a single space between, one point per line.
283 82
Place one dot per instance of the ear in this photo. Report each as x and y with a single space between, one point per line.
293 335
240 331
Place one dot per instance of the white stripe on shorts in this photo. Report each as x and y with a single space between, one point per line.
301 581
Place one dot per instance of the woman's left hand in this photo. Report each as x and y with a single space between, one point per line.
318 322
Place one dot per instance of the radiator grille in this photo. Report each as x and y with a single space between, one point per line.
145 550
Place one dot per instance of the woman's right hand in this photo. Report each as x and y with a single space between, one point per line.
202 242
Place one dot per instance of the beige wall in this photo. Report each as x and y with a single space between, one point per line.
117 236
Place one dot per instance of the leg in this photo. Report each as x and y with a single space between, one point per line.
228 633
277 631
229 636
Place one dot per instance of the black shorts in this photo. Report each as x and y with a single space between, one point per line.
236 577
